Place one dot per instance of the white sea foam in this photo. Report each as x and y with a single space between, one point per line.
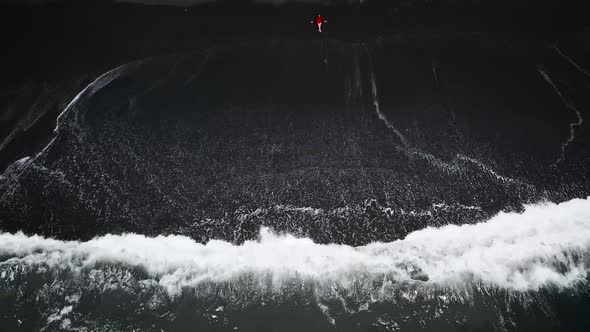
572 62
99 83
569 105
411 150
547 244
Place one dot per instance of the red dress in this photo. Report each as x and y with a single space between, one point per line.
319 19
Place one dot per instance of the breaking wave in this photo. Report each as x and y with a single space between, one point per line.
547 244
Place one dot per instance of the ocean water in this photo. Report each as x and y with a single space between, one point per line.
403 188
516 271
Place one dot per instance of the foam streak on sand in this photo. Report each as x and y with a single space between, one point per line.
99 83
448 168
546 244
572 62
572 125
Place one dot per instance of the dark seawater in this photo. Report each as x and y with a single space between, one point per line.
405 184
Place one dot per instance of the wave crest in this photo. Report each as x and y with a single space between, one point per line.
547 244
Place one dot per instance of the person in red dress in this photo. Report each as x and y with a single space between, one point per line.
319 20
